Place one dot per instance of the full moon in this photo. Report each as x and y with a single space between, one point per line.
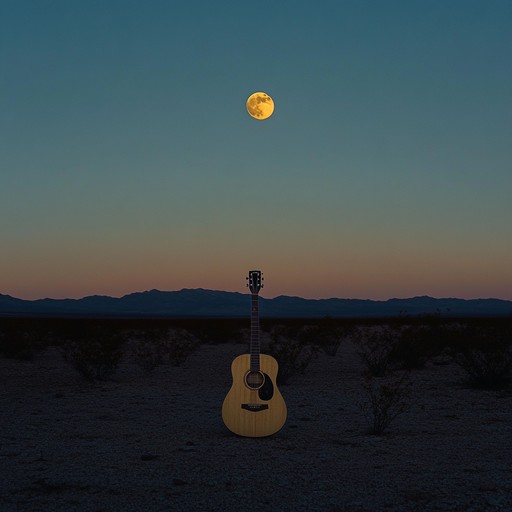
260 106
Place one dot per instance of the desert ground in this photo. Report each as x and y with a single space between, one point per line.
156 441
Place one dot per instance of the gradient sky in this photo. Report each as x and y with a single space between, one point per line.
128 161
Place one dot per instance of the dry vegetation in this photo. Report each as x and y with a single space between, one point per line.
372 380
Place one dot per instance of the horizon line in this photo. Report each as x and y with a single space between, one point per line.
248 293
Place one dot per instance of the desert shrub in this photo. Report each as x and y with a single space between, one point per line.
95 352
216 331
152 347
180 343
376 345
16 344
292 349
415 345
386 399
19 341
487 357
324 335
243 336
146 348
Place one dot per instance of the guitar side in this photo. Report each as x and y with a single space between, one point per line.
244 412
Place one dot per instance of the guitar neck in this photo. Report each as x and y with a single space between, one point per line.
255 333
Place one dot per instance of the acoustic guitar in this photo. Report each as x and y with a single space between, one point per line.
254 407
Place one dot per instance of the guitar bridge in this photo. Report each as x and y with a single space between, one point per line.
254 407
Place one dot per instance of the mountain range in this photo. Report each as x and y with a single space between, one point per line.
215 303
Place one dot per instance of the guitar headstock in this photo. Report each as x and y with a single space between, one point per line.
255 281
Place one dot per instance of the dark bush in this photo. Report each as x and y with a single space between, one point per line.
325 335
292 350
217 331
146 348
377 344
415 345
387 398
486 356
21 340
150 348
95 352
179 344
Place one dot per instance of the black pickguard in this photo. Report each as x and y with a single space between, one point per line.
266 392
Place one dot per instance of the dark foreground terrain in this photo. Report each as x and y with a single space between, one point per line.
147 434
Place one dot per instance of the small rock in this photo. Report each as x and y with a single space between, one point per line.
488 487
148 457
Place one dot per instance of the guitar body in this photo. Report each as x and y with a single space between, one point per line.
251 412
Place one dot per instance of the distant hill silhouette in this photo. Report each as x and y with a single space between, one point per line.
215 303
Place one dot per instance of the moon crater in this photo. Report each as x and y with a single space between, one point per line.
260 105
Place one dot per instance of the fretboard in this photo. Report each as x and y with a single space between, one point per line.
255 333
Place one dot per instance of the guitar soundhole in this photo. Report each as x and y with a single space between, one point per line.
254 379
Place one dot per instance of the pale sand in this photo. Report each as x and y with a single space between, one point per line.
157 442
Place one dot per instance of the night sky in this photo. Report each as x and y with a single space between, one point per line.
128 161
